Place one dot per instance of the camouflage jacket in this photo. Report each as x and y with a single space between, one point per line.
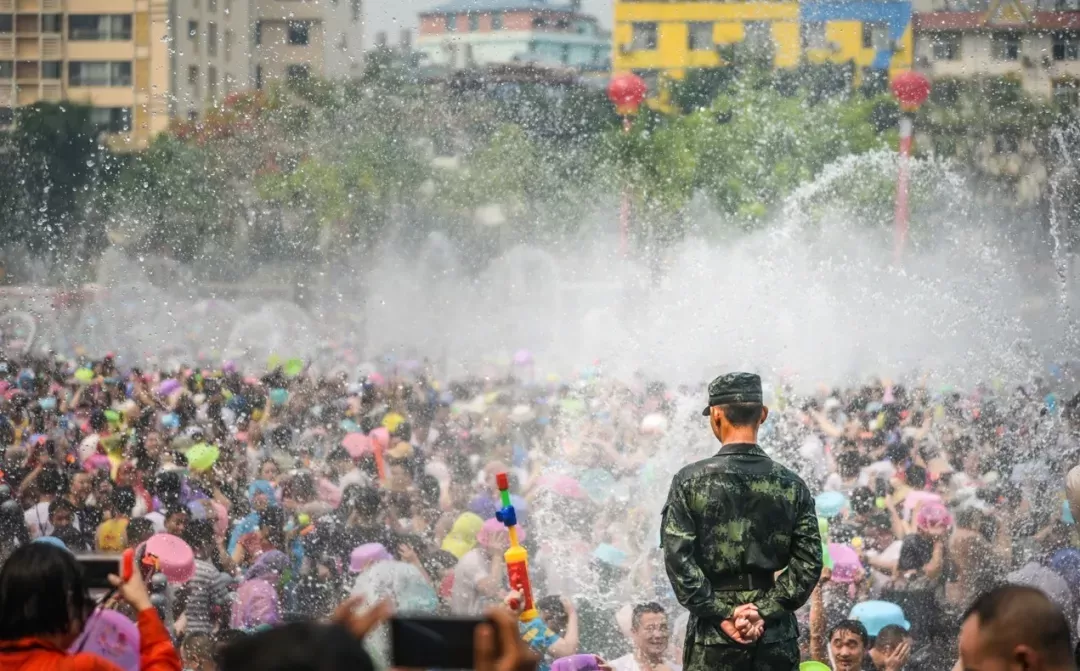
735 513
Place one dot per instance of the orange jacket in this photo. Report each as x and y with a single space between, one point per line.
156 652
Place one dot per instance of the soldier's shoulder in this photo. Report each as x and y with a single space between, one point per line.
697 469
782 472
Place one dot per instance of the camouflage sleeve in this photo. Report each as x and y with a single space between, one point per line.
795 585
678 534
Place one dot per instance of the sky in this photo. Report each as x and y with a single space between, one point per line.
393 15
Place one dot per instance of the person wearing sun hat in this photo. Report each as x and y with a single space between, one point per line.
730 524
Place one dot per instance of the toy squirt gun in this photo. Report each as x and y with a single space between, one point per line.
517 557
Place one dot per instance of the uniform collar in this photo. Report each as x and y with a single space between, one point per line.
741 448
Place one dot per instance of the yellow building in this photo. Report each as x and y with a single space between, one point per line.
662 40
142 63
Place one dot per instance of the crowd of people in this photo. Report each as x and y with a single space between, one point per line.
295 492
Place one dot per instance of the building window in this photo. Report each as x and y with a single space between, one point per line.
299 33
211 38
256 36
211 82
193 32
91 27
474 22
450 23
258 77
228 45
99 73
52 23
211 5
1066 94
813 34
643 36
354 8
597 55
228 83
875 35
564 57
946 46
193 79
1005 46
297 73
1066 46
193 115
111 119
7 23
497 21
7 116
52 69
757 36
700 36
7 69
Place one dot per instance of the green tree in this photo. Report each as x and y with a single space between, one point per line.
52 161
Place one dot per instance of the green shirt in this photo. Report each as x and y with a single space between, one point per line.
735 513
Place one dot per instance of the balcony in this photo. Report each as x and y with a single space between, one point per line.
52 91
7 6
52 6
28 6
52 48
7 48
27 49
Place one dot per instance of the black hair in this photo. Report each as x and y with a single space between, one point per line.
339 453
643 608
554 611
139 528
365 500
848 464
51 481
199 533
429 490
1019 614
852 627
863 501
176 510
743 414
890 636
41 591
123 500
290 647
61 504
273 520
915 476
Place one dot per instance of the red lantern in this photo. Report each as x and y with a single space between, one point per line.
627 91
911 90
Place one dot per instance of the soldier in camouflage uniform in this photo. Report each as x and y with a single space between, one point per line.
731 522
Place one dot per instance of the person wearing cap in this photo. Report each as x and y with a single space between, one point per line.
730 524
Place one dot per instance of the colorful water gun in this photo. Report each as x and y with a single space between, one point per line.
517 557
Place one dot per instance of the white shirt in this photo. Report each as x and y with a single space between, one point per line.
354 477
628 663
473 567
37 520
158 520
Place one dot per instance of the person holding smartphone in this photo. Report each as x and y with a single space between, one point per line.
39 638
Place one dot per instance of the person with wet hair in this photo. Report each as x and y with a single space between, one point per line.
1015 627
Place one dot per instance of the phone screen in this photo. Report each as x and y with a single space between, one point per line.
433 642
96 569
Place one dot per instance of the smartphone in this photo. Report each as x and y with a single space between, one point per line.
97 568
881 487
433 642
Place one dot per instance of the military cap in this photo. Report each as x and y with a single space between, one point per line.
734 388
